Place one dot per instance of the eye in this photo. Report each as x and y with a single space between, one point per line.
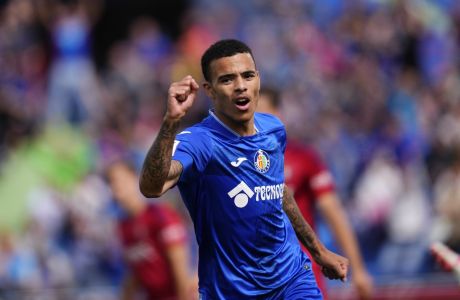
226 80
249 75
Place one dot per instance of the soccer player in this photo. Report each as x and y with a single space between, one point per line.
230 171
154 240
314 190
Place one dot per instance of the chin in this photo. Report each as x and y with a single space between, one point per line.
245 117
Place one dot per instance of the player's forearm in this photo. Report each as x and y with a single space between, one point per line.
335 216
157 163
304 232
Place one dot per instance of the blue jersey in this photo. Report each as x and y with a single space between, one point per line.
233 186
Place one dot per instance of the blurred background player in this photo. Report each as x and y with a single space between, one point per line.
313 188
154 239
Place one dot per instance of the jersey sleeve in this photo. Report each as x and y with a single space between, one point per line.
192 149
320 179
172 230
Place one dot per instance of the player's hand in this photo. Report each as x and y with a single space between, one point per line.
181 95
333 265
363 284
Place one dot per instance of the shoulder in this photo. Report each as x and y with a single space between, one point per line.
303 151
162 212
198 130
300 147
193 146
196 134
268 122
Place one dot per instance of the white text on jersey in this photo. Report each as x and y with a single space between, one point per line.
269 192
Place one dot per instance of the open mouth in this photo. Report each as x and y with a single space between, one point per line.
242 103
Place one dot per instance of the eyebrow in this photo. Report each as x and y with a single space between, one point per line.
232 75
249 72
229 75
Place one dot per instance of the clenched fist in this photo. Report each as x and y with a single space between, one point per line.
333 265
181 96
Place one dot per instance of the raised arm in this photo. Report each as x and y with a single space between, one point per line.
333 266
159 172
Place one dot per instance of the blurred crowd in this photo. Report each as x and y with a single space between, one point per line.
374 85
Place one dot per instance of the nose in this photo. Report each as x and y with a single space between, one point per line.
240 84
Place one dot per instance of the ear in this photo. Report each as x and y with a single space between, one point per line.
208 89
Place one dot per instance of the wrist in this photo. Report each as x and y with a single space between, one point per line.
170 119
318 252
169 127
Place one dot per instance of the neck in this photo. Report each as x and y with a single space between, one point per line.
242 128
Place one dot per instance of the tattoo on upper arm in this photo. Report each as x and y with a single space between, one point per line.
304 232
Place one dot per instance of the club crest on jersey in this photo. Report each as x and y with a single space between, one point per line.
261 161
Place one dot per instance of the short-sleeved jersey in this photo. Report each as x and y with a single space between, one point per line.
233 186
145 239
307 177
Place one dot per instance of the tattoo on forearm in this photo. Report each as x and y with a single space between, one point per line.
156 168
304 232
